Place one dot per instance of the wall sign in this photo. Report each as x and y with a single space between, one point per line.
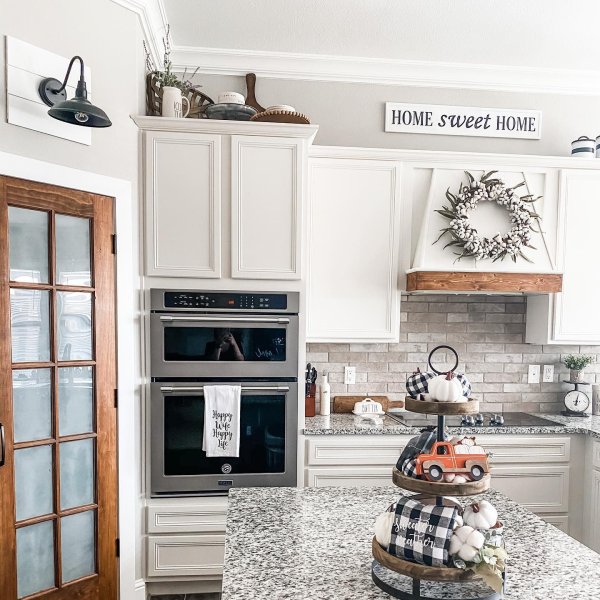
438 119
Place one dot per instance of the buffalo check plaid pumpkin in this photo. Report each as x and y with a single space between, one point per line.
421 532
417 383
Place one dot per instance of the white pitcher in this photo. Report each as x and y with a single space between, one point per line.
172 103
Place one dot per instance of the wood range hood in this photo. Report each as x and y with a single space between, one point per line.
469 282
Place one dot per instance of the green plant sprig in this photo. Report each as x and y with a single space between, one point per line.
577 362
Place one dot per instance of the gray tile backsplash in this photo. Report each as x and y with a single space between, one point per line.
488 332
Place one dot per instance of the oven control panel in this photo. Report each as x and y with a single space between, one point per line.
225 300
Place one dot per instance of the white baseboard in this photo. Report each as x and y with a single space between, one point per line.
140 589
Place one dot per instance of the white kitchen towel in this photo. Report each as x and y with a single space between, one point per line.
222 420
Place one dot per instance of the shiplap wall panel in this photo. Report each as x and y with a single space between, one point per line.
26 66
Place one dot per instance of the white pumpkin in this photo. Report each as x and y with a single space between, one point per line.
466 543
480 515
445 388
383 528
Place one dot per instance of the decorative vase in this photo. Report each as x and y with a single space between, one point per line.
577 376
172 102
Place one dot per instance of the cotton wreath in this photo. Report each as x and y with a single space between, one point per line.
466 238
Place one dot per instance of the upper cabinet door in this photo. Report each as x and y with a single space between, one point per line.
266 207
353 248
576 315
183 204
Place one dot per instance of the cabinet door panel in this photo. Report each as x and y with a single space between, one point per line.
183 212
349 477
576 317
266 207
185 555
353 251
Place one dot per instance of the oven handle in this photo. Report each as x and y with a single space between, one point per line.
199 319
200 388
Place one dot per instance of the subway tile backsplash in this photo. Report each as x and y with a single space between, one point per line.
488 332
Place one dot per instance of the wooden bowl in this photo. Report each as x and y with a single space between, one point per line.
429 407
416 570
437 488
281 116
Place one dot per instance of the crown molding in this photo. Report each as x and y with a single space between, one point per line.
350 69
153 21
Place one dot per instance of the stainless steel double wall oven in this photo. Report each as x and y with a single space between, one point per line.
223 338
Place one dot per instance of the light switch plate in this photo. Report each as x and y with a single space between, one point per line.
533 375
349 375
548 376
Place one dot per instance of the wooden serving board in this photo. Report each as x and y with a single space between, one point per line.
345 404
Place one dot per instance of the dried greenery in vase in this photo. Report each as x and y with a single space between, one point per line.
577 362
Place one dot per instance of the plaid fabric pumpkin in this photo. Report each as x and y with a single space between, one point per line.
421 532
416 384
421 443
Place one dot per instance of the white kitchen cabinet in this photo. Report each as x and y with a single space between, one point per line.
183 204
186 538
267 187
199 172
592 496
353 250
571 317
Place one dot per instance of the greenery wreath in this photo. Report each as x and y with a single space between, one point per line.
466 238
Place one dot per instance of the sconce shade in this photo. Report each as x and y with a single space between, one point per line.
77 111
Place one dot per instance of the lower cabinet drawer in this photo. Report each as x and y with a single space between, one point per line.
559 521
185 555
540 488
208 517
349 477
355 449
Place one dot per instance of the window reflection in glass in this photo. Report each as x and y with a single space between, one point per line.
30 325
28 245
32 404
73 265
74 323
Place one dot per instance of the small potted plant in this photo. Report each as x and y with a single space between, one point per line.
577 363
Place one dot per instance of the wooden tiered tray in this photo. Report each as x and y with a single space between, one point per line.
436 488
416 570
429 407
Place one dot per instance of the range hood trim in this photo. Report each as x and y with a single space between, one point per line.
483 282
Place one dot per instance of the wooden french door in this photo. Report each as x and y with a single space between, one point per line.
58 473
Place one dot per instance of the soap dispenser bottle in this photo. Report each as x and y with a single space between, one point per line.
325 395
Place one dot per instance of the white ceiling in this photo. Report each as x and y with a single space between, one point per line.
527 33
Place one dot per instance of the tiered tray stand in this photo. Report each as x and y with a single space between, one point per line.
431 492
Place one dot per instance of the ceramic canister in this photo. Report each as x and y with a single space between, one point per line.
598 146
231 98
583 147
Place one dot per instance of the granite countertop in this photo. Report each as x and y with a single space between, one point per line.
348 424
315 543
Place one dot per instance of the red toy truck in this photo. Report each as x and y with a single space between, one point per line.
443 458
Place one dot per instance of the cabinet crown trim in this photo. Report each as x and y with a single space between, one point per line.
288 130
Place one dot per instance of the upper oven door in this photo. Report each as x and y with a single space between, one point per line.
197 345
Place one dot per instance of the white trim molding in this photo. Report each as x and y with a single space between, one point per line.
381 71
153 21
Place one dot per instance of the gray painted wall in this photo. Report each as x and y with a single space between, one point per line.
352 114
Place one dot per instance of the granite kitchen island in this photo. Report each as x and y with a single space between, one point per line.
315 543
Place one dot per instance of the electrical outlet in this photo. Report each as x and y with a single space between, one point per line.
548 376
534 374
349 375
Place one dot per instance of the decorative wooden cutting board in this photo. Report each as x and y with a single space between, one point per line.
345 404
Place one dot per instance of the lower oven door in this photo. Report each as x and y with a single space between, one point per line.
268 439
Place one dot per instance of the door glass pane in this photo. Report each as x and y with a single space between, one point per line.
74 323
30 325
262 436
32 401
28 244
257 344
33 482
75 400
78 545
73 265
35 558
76 473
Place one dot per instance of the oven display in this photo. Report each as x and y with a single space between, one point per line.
222 300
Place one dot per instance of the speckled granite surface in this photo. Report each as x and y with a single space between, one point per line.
348 424
315 543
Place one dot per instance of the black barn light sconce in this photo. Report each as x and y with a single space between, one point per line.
77 111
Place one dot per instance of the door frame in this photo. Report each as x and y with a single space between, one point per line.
130 492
